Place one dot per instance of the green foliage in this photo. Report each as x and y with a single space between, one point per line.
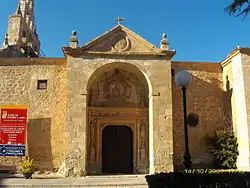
27 166
225 149
232 179
239 7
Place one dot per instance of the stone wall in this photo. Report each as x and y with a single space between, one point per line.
46 108
246 71
205 99
240 78
245 57
48 126
236 83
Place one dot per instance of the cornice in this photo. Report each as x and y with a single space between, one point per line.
68 51
32 61
234 53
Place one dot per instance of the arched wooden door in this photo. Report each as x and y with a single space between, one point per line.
117 150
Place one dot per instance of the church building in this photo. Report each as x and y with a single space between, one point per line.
111 106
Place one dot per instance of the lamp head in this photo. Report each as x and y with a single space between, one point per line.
183 78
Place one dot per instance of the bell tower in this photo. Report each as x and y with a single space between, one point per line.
21 35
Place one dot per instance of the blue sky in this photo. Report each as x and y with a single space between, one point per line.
197 30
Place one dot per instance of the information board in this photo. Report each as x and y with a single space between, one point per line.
13 125
12 150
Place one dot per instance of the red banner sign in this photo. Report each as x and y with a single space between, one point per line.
13 124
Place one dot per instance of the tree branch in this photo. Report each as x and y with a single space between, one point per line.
239 8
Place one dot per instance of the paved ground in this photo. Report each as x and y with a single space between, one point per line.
131 181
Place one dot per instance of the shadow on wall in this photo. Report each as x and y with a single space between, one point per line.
228 104
207 99
39 143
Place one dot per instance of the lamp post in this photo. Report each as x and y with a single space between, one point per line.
183 79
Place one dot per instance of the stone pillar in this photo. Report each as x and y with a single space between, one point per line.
76 157
76 125
160 118
239 107
142 142
151 137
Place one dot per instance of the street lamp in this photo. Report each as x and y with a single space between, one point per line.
183 79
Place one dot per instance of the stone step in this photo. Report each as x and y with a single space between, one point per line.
131 181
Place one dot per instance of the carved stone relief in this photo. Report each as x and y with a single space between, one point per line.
142 133
95 112
118 89
92 147
118 42
121 44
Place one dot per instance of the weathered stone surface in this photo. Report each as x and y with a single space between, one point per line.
236 76
205 99
84 69
59 116
46 108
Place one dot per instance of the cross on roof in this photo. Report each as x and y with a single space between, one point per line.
119 20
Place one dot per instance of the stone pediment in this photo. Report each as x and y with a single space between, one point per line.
120 40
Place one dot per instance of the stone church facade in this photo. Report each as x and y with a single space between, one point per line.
114 99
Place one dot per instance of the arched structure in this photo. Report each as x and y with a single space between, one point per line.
117 96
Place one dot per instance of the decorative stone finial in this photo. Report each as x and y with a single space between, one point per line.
73 40
164 36
119 20
164 45
74 33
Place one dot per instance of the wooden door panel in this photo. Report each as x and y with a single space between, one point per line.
117 149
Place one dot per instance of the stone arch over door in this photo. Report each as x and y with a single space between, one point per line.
118 95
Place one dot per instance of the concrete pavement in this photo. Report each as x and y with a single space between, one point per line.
132 181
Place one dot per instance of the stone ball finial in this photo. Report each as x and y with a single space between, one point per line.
164 36
74 33
73 39
164 45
